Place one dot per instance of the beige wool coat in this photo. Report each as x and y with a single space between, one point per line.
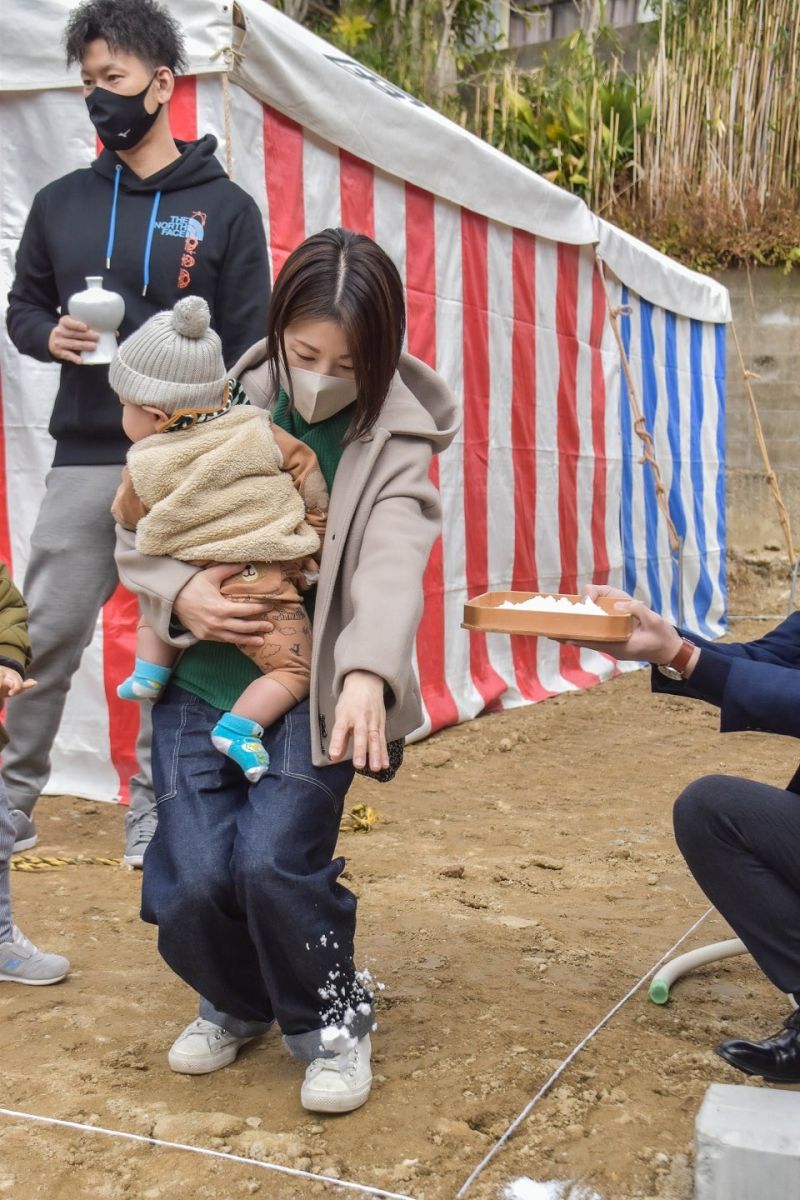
383 519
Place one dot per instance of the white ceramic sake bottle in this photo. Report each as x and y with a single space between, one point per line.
102 311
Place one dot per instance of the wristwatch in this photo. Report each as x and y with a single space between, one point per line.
675 669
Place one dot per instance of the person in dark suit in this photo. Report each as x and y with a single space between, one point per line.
740 838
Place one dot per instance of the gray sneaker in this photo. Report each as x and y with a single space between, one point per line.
25 835
22 962
137 838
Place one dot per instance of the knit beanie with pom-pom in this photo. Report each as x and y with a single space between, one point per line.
174 361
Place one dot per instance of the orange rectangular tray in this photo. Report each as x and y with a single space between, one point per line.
483 615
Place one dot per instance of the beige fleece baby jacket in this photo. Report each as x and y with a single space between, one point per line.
219 492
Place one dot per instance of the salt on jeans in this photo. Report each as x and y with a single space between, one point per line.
241 881
741 841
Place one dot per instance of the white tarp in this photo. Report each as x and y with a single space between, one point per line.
32 50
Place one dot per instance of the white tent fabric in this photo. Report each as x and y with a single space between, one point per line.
660 279
32 51
543 488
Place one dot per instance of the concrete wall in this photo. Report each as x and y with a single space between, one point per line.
766 310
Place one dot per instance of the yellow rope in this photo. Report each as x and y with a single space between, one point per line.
639 424
38 862
361 819
783 515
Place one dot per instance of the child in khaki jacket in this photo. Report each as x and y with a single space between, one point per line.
20 961
210 479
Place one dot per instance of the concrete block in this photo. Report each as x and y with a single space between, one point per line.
747 1144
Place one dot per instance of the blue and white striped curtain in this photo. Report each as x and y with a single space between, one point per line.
678 369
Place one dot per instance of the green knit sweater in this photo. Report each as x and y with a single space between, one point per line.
216 671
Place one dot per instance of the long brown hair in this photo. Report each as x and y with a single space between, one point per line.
345 277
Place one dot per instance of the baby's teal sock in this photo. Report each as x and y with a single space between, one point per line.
239 738
146 683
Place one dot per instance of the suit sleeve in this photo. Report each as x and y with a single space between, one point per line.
33 302
243 288
755 685
386 586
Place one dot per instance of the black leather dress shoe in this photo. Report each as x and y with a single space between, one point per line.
776 1059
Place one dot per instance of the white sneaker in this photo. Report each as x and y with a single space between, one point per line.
22 962
204 1047
339 1084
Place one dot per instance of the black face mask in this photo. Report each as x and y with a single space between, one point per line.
121 121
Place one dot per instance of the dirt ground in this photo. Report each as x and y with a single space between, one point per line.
521 878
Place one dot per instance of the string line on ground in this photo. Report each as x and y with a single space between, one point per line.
362 1188
573 1054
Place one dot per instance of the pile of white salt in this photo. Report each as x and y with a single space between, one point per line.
557 604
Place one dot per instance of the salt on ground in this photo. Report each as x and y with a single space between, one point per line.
553 1189
557 604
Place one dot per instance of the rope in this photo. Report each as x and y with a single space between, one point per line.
226 114
772 480
361 819
36 862
639 424
230 56
573 1054
364 1188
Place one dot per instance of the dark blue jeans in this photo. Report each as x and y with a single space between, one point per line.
241 881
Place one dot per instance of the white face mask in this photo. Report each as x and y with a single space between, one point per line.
317 397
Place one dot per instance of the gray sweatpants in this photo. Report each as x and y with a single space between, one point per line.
6 847
71 573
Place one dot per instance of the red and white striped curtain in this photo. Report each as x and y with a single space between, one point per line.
517 325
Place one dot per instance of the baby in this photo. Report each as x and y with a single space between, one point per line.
209 479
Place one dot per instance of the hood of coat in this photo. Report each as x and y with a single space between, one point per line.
197 164
419 404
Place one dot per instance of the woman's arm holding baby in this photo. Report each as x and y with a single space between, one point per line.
182 603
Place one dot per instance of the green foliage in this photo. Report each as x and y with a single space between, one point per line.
697 150
350 30
424 46
575 120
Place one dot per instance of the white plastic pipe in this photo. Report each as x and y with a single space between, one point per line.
683 963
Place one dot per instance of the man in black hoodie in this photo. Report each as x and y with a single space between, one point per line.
158 219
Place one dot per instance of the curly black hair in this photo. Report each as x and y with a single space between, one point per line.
140 27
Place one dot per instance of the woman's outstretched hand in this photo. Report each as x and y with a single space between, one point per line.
211 617
361 714
653 639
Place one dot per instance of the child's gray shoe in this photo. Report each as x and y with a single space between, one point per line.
22 962
25 835
138 836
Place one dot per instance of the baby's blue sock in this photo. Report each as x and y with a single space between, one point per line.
146 683
239 738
